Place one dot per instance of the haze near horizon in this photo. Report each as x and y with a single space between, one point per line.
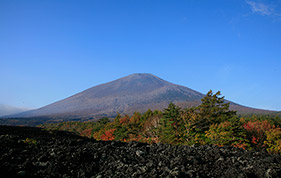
50 50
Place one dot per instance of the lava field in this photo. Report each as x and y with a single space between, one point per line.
33 152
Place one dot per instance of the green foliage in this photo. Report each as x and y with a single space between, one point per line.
121 133
213 110
100 124
209 123
80 128
227 133
220 134
169 124
103 121
197 120
273 140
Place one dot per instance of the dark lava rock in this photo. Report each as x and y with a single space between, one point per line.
33 152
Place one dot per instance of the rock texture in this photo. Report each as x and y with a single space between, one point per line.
32 152
136 92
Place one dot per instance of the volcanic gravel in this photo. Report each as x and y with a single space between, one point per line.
33 152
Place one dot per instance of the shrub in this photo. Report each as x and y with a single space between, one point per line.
273 140
256 132
108 135
220 134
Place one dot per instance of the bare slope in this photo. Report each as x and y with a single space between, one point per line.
136 92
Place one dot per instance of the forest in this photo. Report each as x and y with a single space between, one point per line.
212 122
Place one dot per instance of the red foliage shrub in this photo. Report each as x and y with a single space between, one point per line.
256 131
240 145
108 135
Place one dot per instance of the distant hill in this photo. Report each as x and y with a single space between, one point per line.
136 92
8 110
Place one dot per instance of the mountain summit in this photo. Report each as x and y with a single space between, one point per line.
136 92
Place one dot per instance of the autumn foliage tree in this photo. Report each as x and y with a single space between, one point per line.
108 135
211 122
256 132
197 120
273 140
227 133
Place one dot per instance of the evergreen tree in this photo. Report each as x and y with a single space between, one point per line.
212 110
169 124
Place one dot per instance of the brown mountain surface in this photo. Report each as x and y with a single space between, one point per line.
136 92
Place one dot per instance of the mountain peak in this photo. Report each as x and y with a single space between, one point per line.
135 92
134 84
142 76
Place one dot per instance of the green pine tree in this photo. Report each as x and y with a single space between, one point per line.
169 124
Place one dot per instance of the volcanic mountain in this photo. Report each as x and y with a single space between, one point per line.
136 92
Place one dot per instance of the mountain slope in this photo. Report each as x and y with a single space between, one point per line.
136 92
7 110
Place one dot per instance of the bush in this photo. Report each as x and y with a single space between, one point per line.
227 133
256 132
108 135
220 134
273 140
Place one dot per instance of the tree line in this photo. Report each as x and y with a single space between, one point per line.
212 122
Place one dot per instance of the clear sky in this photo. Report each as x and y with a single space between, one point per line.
52 49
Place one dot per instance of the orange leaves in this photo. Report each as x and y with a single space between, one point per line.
188 127
108 135
125 120
87 132
240 145
151 140
135 119
225 124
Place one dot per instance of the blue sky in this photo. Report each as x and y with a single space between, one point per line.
50 50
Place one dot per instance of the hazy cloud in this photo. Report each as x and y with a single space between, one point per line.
7 110
261 8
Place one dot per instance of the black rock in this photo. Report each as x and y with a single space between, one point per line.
62 154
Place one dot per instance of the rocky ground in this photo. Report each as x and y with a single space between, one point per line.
32 152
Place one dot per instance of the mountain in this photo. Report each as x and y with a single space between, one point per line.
8 110
136 92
